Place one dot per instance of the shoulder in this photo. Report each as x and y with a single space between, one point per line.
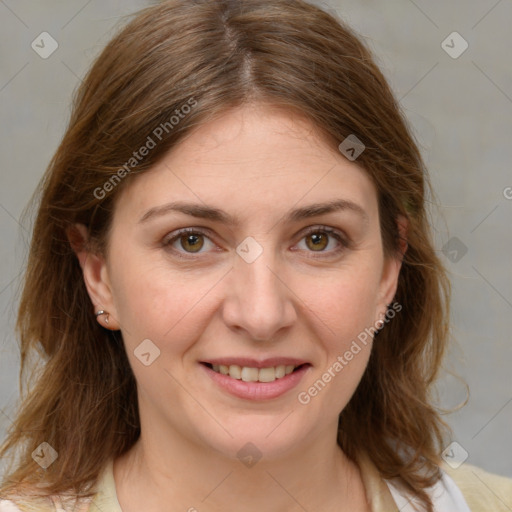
29 499
41 504
25 504
483 491
8 506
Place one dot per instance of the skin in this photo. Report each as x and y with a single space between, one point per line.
296 299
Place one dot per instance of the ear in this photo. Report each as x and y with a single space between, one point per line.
95 273
391 269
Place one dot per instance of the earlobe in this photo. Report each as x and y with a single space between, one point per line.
95 275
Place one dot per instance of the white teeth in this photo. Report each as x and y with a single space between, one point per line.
280 371
267 375
235 371
248 374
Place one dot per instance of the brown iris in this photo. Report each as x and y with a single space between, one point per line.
320 241
191 240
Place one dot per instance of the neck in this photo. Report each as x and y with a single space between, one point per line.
176 474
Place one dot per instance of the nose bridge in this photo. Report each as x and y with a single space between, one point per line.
258 301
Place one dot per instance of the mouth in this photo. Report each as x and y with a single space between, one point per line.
259 380
253 374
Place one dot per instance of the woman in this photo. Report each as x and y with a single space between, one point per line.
233 282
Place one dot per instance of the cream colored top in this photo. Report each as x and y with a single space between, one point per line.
480 491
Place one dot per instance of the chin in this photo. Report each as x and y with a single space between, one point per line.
257 437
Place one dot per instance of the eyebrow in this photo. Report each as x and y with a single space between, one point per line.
215 214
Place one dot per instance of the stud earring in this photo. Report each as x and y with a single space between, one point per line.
102 312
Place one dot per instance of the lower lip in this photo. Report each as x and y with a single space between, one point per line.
257 390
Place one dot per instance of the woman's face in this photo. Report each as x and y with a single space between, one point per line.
266 278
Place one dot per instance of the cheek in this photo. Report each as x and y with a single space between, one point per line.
343 312
156 303
344 302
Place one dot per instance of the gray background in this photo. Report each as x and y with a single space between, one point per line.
460 110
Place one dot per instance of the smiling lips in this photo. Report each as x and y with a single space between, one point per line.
256 380
251 370
248 374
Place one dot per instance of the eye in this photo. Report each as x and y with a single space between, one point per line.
318 238
191 240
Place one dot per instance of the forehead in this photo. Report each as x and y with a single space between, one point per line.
255 158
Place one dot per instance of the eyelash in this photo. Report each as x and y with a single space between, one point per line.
344 242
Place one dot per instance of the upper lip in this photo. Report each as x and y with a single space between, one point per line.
250 362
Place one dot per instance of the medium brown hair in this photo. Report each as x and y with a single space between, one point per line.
222 54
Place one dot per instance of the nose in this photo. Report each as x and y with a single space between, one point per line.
259 301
